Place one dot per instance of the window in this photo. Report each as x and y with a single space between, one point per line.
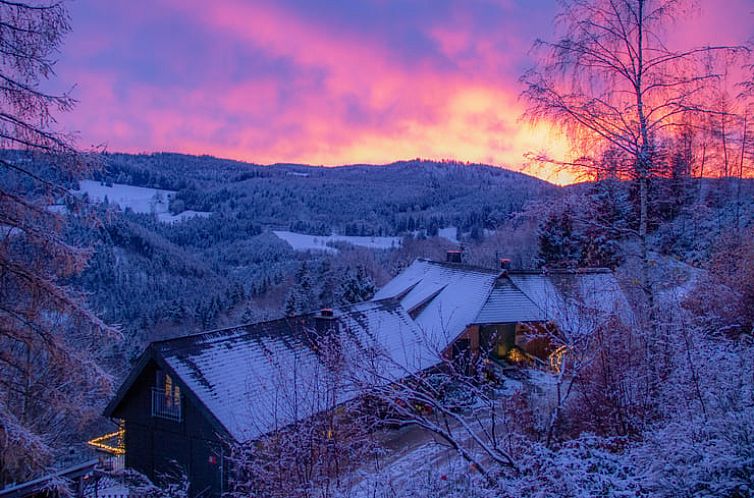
166 397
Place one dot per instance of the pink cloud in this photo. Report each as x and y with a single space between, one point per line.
335 95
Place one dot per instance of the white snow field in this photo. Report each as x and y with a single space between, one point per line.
448 233
304 242
183 216
138 199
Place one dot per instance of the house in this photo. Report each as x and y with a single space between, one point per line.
186 398
503 313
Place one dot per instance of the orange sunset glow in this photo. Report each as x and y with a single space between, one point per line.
339 83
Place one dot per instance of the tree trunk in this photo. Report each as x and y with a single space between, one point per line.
646 283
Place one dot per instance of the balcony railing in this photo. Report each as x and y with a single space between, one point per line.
166 404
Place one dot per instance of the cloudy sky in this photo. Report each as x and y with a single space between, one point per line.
320 82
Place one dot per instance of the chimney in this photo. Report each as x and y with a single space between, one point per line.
325 322
505 264
453 256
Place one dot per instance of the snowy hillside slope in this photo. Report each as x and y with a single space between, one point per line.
304 242
141 200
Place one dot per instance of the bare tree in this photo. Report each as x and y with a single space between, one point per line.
455 402
318 432
611 81
48 380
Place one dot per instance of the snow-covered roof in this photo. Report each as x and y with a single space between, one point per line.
574 299
253 379
264 376
507 303
443 298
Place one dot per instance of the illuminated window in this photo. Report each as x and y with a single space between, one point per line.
166 398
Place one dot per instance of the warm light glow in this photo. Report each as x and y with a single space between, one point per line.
515 355
112 443
556 358
322 82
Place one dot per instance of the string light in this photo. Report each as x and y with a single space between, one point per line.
103 443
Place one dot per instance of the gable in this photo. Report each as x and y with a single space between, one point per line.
133 399
443 298
265 376
508 304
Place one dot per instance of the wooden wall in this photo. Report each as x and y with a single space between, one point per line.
156 446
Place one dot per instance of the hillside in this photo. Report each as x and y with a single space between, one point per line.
153 277
389 199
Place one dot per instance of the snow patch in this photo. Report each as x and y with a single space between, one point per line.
304 242
138 199
183 216
448 233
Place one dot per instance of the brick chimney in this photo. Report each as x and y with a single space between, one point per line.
325 322
454 256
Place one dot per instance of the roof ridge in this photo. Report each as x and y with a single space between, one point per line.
232 328
461 266
532 271
562 271
242 327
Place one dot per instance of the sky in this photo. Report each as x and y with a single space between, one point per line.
321 82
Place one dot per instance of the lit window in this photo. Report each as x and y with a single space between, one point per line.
166 397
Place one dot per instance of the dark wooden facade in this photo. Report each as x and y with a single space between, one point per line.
159 447
513 342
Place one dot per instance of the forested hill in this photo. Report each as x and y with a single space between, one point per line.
358 199
152 277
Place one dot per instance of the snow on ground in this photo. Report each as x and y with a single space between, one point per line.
674 279
138 199
423 467
108 487
173 218
451 233
448 233
417 462
8 231
57 209
304 242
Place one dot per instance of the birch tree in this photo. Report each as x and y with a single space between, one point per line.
612 80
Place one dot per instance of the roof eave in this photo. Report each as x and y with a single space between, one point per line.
126 385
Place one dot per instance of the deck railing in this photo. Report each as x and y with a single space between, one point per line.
166 405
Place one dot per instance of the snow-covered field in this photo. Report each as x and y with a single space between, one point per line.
448 233
183 216
304 242
138 199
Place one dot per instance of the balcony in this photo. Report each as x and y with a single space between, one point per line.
166 404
